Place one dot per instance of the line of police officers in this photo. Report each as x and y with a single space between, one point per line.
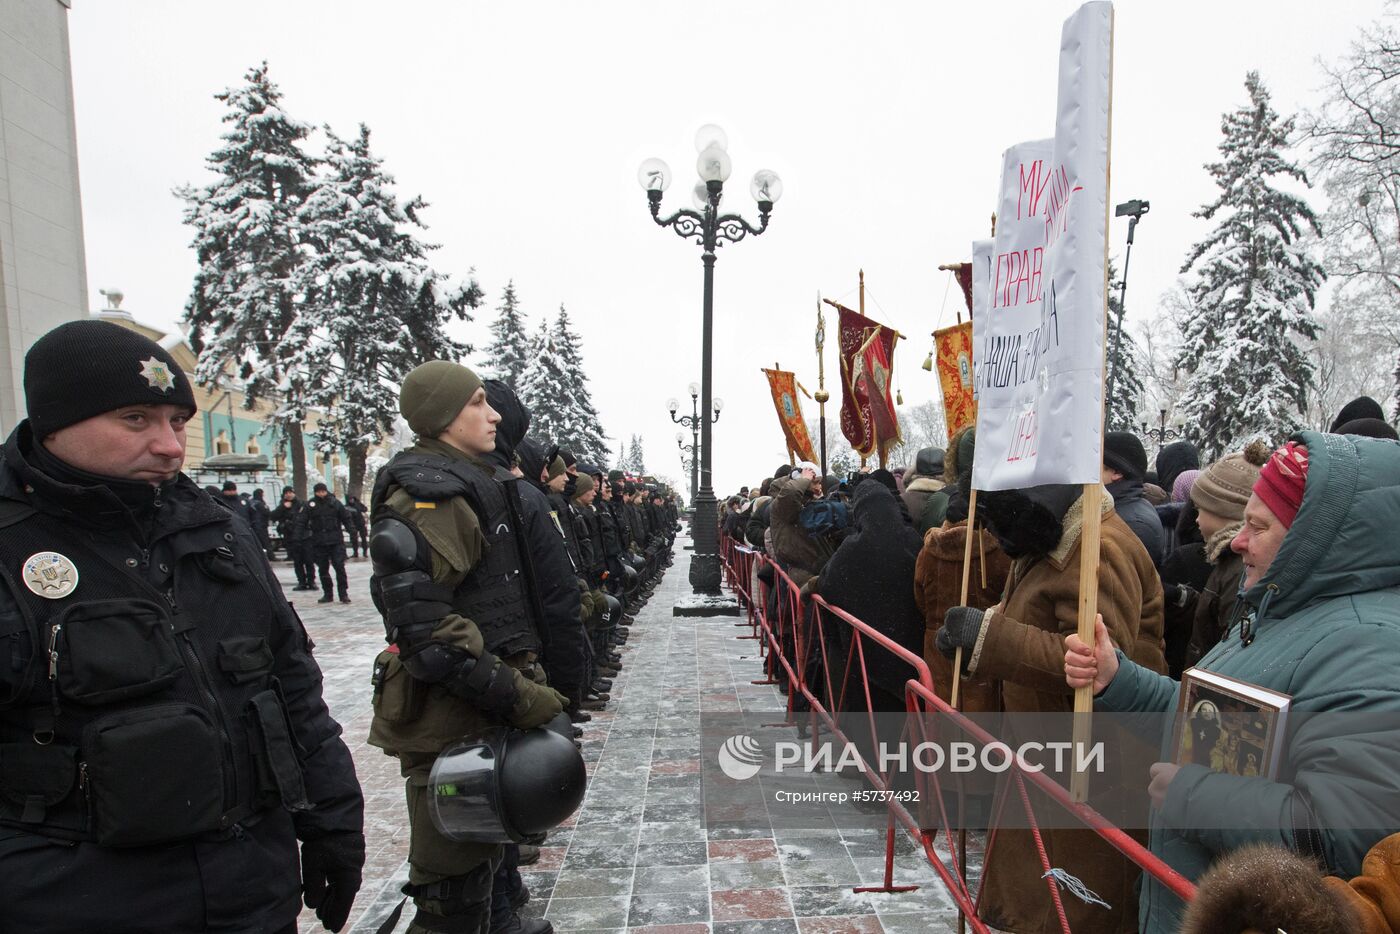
505 591
167 761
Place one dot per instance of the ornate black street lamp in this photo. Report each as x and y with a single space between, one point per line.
692 421
1162 434
709 229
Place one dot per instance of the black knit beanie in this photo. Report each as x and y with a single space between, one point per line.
1360 407
84 368
1123 452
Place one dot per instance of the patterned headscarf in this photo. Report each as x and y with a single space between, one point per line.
1282 480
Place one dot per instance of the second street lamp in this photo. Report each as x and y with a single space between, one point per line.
692 421
1162 434
688 461
710 229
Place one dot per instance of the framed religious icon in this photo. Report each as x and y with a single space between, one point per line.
1229 725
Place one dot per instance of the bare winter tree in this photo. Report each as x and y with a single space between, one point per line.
1355 135
1160 341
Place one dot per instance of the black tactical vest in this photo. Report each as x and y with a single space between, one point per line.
147 712
559 506
494 595
592 525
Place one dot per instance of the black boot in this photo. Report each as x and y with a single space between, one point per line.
327 598
519 925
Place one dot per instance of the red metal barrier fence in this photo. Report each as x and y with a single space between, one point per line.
802 640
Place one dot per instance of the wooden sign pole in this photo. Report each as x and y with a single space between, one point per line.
966 581
1093 499
1088 609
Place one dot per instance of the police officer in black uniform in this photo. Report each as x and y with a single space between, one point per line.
290 517
261 517
327 520
164 746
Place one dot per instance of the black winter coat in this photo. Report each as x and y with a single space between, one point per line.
1140 515
259 516
239 635
326 519
871 576
758 522
561 630
291 521
563 635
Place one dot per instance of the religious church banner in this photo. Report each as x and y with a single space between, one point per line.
872 374
783 385
855 413
1038 348
955 374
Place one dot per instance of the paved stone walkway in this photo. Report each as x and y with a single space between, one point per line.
638 857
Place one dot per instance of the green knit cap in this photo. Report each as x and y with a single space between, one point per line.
585 483
557 468
434 393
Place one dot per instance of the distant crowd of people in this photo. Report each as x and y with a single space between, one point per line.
1276 566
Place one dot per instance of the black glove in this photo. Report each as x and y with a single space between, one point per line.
1179 595
330 875
962 625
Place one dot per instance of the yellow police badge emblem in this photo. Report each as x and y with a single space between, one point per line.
50 575
157 373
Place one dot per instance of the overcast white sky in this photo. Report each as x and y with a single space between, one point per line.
523 125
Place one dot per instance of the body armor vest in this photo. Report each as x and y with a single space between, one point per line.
592 527
148 712
624 527
637 524
607 528
560 506
495 594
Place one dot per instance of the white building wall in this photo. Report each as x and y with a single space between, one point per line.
43 278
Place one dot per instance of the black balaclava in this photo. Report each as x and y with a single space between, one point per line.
531 460
515 422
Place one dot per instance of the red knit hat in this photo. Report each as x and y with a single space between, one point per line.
1281 482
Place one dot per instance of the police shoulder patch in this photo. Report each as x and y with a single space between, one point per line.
50 575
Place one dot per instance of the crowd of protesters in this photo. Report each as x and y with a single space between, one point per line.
1276 566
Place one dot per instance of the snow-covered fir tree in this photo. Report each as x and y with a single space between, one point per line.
373 306
1253 288
544 389
243 305
634 462
509 350
588 440
1123 361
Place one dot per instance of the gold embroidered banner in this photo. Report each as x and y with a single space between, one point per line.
955 375
783 385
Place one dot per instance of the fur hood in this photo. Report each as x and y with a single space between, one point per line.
1266 889
1220 542
922 484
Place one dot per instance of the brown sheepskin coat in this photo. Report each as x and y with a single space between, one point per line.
938 587
1024 648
